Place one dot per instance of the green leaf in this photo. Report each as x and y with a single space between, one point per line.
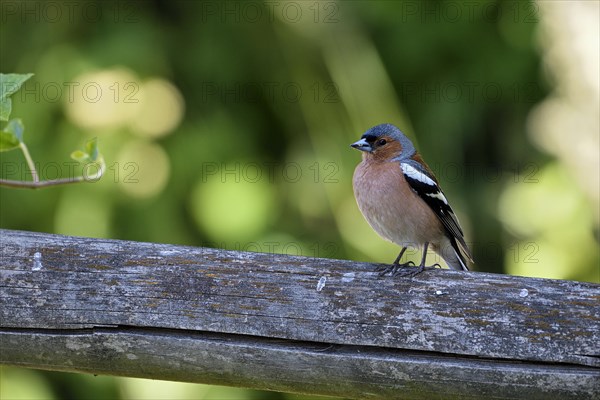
90 154
9 84
80 156
5 109
15 126
91 148
8 141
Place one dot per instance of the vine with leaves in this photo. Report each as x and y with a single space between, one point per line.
11 138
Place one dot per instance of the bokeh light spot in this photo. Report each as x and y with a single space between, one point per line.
103 99
546 217
549 202
231 209
161 109
142 169
21 383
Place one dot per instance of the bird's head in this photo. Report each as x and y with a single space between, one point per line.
385 142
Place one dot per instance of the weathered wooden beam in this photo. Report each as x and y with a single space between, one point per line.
292 324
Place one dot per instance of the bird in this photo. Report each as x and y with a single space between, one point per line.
401 199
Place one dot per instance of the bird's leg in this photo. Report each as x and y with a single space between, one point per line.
397 260
384 269
420 268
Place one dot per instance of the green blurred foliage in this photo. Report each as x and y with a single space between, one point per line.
228 124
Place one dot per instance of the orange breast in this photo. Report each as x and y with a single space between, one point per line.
390 206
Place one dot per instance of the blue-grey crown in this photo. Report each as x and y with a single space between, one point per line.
408 149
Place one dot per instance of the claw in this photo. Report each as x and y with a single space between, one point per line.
384 269
409 272
393 269
405 269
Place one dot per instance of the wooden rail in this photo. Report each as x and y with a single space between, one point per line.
293 324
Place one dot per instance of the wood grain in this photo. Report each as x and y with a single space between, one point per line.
293 324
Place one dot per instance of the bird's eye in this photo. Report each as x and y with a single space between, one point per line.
381 142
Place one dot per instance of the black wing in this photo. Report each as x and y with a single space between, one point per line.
428 190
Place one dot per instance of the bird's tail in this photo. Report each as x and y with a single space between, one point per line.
455 255
457 261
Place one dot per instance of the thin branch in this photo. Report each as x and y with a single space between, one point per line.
30 163
37 184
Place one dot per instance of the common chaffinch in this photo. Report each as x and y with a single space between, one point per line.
400 198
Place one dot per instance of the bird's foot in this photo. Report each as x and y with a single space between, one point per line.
393 269
409 272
